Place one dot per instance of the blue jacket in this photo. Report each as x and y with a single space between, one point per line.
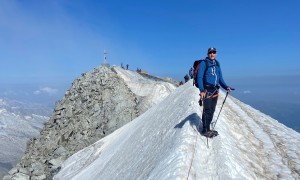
213 75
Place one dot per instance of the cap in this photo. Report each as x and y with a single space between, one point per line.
211 49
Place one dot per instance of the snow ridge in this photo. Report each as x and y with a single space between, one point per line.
164 143
145 157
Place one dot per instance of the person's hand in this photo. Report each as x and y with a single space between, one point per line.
229 89
202 95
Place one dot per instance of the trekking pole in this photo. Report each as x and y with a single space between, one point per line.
221 109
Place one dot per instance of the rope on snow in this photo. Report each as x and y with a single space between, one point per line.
194 149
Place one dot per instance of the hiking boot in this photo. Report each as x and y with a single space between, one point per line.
204 132
209 134
212 134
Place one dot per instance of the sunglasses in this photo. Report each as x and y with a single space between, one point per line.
212 52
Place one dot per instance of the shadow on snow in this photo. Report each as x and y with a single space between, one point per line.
193 119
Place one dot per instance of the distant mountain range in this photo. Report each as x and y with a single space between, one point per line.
286 113
18 123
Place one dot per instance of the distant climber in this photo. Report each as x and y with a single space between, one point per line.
127 66
209 78
181 83
186 78
191 72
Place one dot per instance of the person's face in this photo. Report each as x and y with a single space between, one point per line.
212 55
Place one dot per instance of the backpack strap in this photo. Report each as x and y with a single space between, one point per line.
206 68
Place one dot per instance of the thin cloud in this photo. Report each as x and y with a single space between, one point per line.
46 90
9 92
247 92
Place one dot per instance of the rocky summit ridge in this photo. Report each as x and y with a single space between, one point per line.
98 103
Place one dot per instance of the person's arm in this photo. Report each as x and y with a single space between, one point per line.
221 80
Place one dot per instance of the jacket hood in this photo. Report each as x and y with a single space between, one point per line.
210 61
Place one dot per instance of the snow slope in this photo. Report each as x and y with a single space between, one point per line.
164 143
150 90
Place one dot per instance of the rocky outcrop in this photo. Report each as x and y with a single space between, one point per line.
97 103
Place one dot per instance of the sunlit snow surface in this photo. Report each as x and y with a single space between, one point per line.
164 143
154 91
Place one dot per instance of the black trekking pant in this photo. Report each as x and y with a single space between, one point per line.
209 106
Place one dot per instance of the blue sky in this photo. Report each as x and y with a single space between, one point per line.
54 41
